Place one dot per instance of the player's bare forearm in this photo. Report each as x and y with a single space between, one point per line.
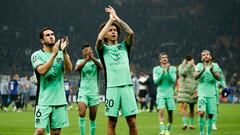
99 65
102 33
67 62
130 34
198 74
216 75
80 66
43 69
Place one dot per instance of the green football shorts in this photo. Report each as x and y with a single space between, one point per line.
167 102
56 115
207 104
120 98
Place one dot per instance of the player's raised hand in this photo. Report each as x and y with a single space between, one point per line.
64 43
55 48
112 12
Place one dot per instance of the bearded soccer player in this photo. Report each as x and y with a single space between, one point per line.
49 64
207 73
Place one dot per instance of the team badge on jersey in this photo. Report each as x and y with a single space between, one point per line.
59 60
34 58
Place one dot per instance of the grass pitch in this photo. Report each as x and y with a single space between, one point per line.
15 123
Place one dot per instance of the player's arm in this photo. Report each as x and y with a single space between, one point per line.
101 35
44 68
157 76
79 66
130 34
215 74
99 65
172 72
67 62
198 73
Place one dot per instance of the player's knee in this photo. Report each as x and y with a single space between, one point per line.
92 117
131 122
39 131
56 131
161 111
112 121
82 113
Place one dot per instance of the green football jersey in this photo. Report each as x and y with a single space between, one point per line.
51 85
89 78
115 60
206 82
165 81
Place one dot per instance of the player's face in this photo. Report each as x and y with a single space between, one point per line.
48 37
86 50
112 33
206 57
164 59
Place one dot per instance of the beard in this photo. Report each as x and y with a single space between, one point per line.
49 44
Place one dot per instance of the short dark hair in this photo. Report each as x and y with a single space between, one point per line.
189 57
44 29
85 45
115 23
162 53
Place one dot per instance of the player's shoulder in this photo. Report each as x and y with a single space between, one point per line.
156 67
215 64
37 52
199 64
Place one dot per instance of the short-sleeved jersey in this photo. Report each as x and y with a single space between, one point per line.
89 78
115 60
51 85
165 81
207 82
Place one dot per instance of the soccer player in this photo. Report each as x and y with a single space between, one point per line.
187 91
49 65
115 59
164 76
88 95
68 91
207 74
14 90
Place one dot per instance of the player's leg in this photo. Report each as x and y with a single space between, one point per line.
42 115
184 115
191 115
58 119
170 107
112 122
161 106
129 108
131 120
93 103
214 126
211 110
82 107
201 113
112 107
